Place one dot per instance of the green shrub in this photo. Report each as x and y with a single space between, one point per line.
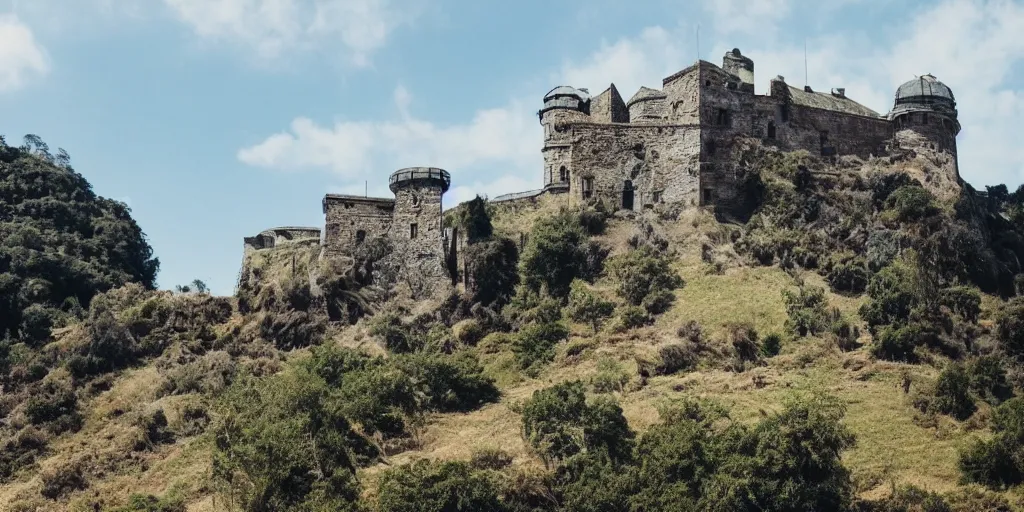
54 406
449 382
997 462
61 480
610 376
952 392
283 443
911 203
988 379
21 451
632 317
771 345
426 486
586 306
658 302
558 251
909 499
743 338
468 332
397 337
894 292
1010 326
534 344
593 220
675 357
474 220
848 276
492 269
559 423
641 272
807 310
897 343
963 301
292 329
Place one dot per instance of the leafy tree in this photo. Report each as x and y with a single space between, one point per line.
199 286
642 272
586 306
558 251
1010 326
559 423
492 268
59 241
474 219
952 392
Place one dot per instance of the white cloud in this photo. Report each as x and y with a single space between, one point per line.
629 63
21 56
504 139
271 28
747 16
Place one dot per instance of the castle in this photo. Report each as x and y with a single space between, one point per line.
673 145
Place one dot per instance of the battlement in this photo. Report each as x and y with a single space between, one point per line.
420 175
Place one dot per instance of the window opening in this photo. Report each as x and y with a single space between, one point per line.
771 129
627 195
413 230
588 187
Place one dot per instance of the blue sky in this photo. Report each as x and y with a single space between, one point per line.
215 119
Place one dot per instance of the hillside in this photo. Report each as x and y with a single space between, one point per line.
852 342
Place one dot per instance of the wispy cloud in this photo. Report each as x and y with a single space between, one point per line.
22 58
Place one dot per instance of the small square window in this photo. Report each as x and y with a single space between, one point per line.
413 230
656 197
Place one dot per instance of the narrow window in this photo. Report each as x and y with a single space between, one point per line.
771 129
721 117
360 236
563 174
707 196
415 200
784 113
413 230
656 197
588 187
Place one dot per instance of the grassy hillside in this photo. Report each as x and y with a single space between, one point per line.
855 344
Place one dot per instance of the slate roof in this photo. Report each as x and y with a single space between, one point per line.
829 101
565 90
646 93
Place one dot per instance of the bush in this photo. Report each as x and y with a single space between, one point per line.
1010 326
20 451
743 337
492 271
292 329
397 336
807 310
474 220
988 379
771 345
534 344
911 203
909 499
690 331
674 358
642 272
894 293
586 306
610 376
54 406
468 332
658 302
559 423
897 343
557 252
633 317
449 383
425 486
283 443
997 462
593 221
952 393
963 301
849 276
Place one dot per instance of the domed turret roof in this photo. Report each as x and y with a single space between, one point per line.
924 89
566 90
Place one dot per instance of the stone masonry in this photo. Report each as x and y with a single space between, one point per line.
675 145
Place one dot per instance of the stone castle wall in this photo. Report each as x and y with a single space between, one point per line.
352 219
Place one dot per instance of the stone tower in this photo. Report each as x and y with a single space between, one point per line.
741 66
562 105
416 231
924 121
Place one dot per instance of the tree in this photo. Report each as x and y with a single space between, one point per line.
557 252
199 286
586 306
492 270
474 219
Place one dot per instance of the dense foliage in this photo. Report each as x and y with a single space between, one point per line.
60 243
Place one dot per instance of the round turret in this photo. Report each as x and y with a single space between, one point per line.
647 105
568 98
924 121
420 177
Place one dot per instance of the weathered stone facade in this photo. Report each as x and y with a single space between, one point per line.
351 220
674 145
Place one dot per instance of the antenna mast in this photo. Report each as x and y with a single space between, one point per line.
806 80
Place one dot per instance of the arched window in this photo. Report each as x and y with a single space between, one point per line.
771 129
563 174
